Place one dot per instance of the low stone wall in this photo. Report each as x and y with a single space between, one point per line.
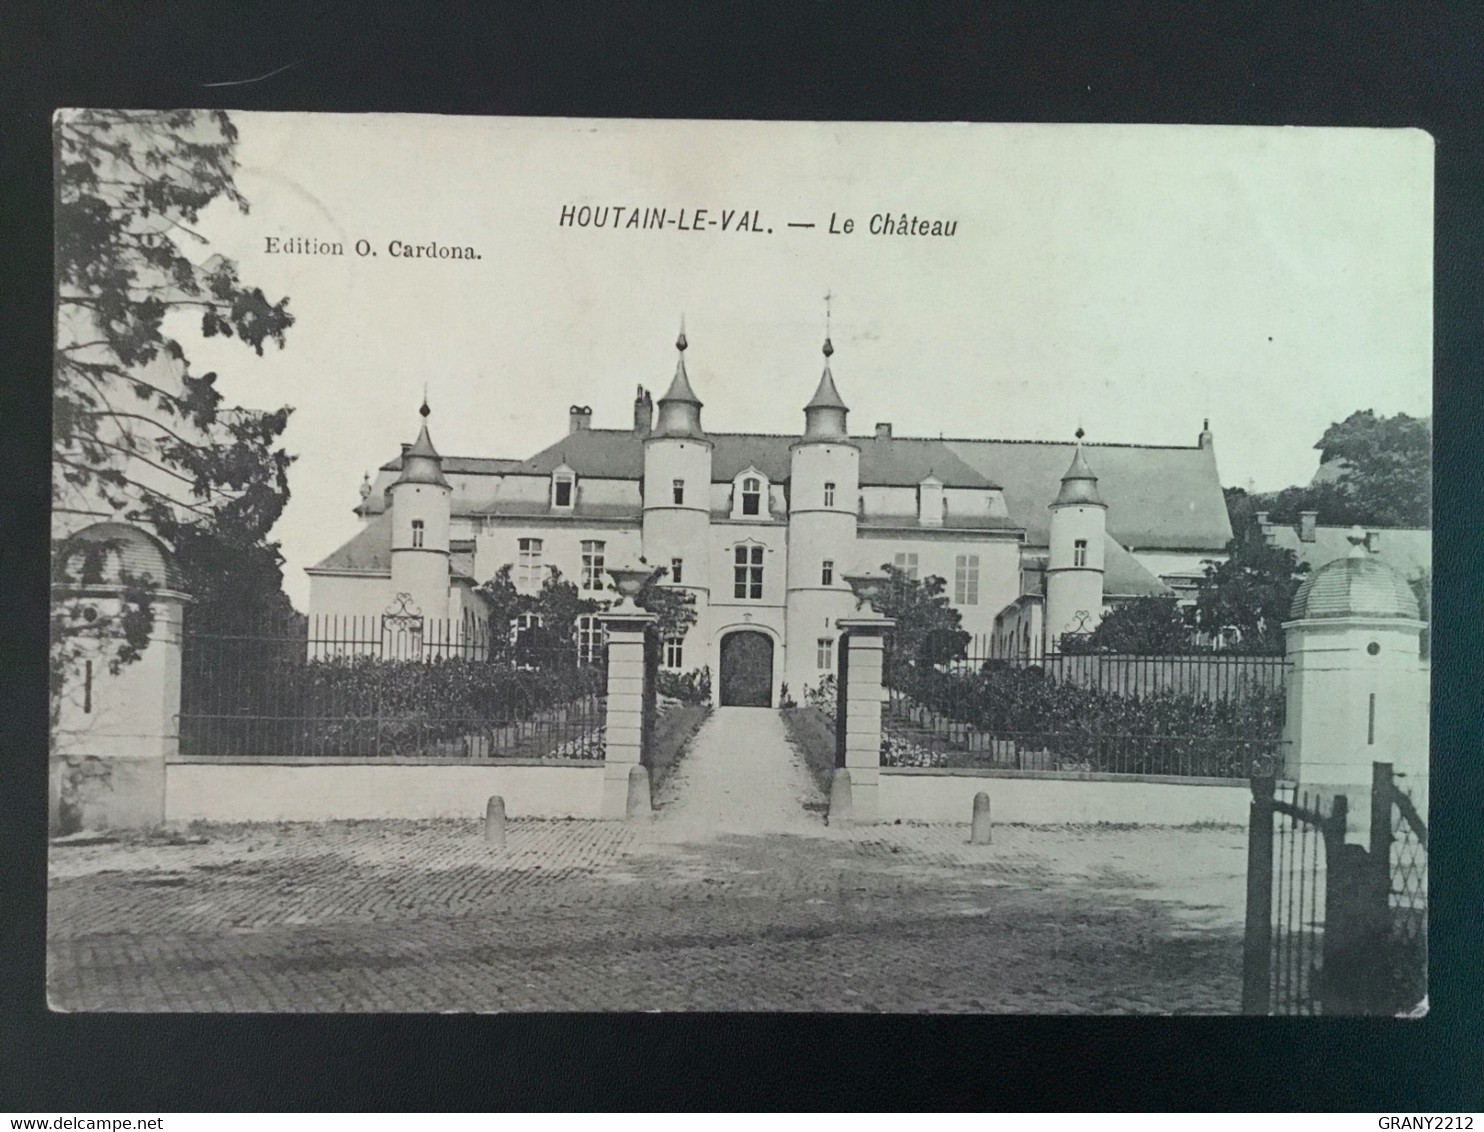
1056 797
311 789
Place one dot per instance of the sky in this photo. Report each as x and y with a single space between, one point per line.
1128 280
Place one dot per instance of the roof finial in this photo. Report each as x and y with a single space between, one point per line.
1079 434
828 348
1206 424
425 410
681 343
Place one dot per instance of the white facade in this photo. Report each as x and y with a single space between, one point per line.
762 530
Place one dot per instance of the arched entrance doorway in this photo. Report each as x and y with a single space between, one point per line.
747 669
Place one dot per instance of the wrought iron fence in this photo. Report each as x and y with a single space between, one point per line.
1402 857
387 686
1334 927
1210 714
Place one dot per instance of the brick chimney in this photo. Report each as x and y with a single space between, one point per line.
1373 542
1308 520
643 412
579 418
883 430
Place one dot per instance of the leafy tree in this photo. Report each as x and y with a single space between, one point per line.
675 608
1251 591
1384 477
557 606
1386 467
928 629
1145 626
137 433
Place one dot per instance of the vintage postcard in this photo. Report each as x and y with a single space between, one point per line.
550 564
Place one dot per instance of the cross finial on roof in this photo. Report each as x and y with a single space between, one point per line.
425 411
681 343
1079 434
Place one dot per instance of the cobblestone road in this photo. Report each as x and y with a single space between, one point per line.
423 916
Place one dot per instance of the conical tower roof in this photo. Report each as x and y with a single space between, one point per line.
680 408
826 396
1079 485
824 415
421 463
680 389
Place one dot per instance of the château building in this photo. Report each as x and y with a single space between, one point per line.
1034 539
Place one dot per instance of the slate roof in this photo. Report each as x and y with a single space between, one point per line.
1407 550
531 508
368 552
1158 498
1125 576
619 454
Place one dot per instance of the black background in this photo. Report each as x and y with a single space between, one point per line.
1284 63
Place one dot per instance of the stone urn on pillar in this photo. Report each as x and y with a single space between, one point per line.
862 689
626 626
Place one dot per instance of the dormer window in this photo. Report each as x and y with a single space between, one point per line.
829 495
751 495
563 487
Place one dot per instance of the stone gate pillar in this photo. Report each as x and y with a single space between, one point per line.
1357 690
624 719
862 690
113 733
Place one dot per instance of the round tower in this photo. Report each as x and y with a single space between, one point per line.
824 483
421 501
1074 567
677 485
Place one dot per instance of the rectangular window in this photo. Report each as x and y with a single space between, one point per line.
525 638
966 579
829 495
678 488
826 653
417 532
589 639
528 564
564 492
751 496
827 573
676 565
1079 552
747 573
907 564
674 652
592 564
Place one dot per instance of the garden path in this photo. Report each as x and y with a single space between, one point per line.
740 775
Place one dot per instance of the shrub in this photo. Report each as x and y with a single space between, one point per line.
693 687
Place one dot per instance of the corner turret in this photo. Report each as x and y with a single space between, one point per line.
1074 567
421 504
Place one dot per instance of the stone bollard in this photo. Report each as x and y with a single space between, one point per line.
979 834
841 808
638 803
494 821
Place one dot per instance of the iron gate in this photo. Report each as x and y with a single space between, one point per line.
1333 927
